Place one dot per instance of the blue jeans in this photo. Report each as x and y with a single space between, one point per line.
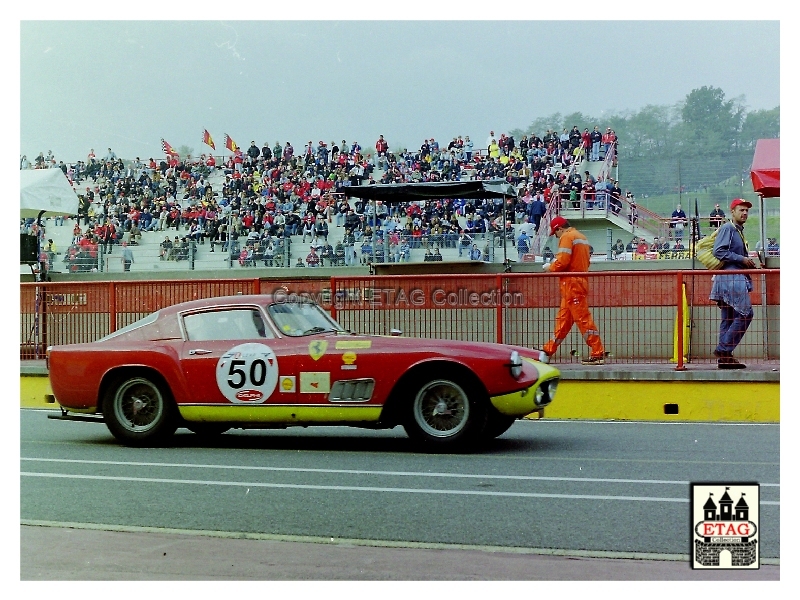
732 328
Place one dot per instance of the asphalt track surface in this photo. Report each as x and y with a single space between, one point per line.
549 500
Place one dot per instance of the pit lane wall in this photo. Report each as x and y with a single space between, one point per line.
619 392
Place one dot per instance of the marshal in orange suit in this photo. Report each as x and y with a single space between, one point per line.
572 256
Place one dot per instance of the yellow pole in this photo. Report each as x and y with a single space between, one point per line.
686 331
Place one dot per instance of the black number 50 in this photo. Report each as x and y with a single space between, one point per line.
258 373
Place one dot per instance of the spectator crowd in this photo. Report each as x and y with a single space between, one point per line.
273 193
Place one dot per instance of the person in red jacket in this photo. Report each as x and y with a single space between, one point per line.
381 148
572 256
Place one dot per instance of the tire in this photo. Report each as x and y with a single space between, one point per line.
443 416
496 424
207 430
139 411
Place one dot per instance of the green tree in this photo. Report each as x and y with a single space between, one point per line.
761 124
648 133
711 124
185 151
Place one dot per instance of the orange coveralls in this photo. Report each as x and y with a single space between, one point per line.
572 256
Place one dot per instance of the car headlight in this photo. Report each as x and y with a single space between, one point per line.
539 396
515 364
545 392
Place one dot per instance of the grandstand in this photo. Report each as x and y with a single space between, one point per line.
601 222
147 251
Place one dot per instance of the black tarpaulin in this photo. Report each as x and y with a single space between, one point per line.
407 192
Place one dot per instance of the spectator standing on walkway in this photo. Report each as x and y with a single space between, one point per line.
596 137
678 223
127 257
572 256
732 292
381 148
468 147
537 209
523 245
717 217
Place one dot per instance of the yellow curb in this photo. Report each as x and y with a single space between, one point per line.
33 391
733 401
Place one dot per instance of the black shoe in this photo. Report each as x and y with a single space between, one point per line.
593 360
728 362
721 353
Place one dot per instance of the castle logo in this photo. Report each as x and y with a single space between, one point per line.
725 525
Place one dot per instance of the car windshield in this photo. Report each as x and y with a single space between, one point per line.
301 318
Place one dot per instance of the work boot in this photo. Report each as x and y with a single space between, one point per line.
728 362
593 360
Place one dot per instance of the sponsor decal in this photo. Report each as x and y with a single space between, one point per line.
317 348
247 373
353 344
315 382
288 383
725 530
349 360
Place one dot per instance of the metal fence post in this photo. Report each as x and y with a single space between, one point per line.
112 307
333 298
499 310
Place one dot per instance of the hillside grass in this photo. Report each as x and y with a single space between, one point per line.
721 194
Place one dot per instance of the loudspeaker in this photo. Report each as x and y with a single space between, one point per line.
28 251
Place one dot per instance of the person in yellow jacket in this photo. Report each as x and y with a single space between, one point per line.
494 149
572 256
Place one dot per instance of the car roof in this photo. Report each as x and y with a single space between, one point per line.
220 301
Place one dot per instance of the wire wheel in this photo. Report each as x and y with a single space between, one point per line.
441 409
138 406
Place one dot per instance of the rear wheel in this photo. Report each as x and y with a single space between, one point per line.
444 416
139 411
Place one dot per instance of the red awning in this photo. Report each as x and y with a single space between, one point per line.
766 170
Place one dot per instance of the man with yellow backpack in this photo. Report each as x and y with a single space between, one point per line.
732 292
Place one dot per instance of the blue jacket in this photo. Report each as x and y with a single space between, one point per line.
734 290
729 247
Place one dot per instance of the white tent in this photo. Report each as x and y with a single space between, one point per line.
46 190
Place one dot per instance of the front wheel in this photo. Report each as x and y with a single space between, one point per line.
443 416
139 411
496 424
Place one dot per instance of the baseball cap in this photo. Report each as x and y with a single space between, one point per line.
556 223
738 201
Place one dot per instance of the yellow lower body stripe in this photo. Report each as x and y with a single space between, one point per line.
265 413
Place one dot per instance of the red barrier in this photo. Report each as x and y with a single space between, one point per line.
636 311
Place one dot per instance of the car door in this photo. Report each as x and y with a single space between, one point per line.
231 355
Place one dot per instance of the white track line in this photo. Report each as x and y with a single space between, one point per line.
362 472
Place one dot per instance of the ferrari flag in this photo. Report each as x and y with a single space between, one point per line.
230 144
207 139
167 148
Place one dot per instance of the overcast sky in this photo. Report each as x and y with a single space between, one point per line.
127 84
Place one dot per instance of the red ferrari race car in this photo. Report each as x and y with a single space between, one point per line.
253 362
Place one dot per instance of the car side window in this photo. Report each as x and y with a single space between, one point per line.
234 324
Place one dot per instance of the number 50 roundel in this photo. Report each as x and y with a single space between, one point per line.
248 373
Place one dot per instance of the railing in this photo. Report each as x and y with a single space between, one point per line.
637 312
